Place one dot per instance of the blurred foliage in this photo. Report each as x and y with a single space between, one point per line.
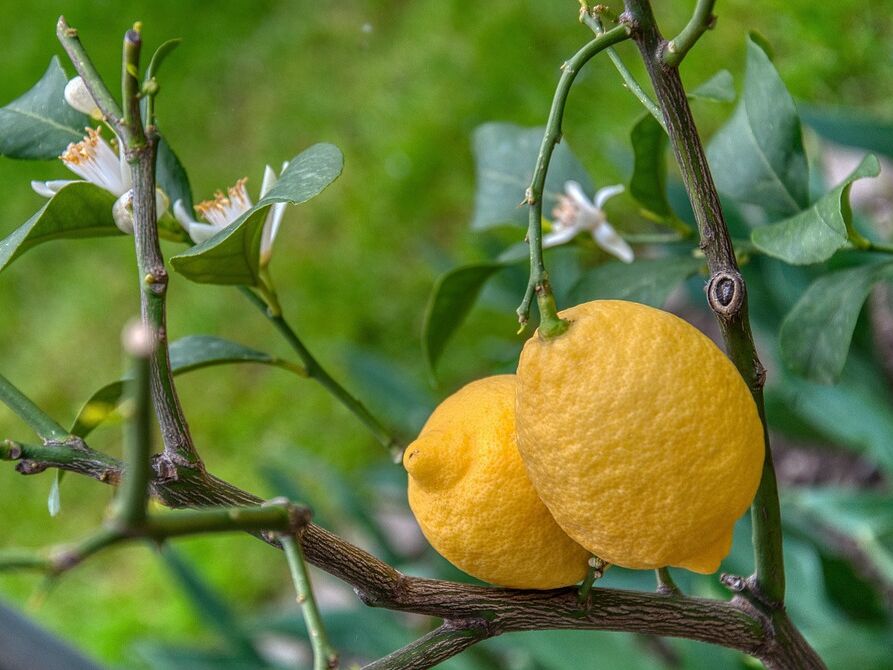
399 87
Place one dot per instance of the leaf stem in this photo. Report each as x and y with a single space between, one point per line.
538 284
324 655
701 21
665 583
316 371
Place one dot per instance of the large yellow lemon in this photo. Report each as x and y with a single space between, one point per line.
471 496
639 435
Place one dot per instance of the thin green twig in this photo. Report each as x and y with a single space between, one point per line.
538 284
665 583
316 371
324 655
594 23
42 424
701 21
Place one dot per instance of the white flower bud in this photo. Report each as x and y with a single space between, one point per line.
78 96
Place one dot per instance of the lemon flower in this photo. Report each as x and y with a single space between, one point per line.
226 208
94 161
78 96
575 213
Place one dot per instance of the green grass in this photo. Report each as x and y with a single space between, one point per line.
398 87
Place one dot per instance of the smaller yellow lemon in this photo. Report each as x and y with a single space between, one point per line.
470 493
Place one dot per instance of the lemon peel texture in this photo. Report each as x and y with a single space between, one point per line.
639 435
470 493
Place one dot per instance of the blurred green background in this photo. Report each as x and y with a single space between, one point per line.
399 87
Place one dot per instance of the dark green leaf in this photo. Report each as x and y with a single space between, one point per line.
171 176
649 282
189 353
648 185
232 256
719 88
815 336
172 657
850 127
814 234
505 156
78 210
758 157
40 124
453 296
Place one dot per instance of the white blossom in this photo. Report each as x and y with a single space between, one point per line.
575 213
94 161
225 208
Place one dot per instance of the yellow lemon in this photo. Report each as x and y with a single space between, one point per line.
470 493
639 435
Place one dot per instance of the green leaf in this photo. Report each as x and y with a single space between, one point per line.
649 282
453 296
719 88
815 336
758 157
187 354
171 176
505 156
850 127
161 53
814 234
232 256
80 209
648 185
40 124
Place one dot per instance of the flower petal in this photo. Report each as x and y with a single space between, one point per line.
608 239
48 189
199 232
122 212
604 194
182 216
269 181
575 192
560 236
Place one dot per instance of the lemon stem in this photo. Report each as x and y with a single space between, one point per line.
551 324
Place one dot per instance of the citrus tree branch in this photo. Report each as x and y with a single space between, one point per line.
486 611
140 145
726 291
538 284
701 21
443 643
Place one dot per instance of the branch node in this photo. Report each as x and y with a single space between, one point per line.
725 293
733 583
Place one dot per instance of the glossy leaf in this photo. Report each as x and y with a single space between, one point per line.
757 157
649 282
505 156
816 233
189 353
78 210
452 298
161 53
815 336
719 88
232 256
648 184
40 124
850 127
